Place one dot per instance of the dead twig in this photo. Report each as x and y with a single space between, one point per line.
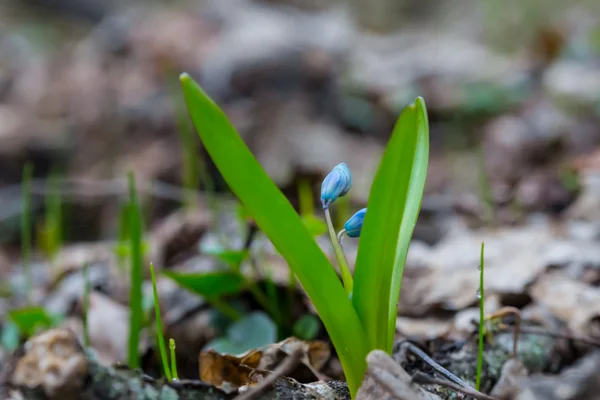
431 362
421 378
507 311
286 366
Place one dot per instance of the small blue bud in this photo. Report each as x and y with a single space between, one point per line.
336 184
354 225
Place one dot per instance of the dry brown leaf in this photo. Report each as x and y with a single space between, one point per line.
446 276
226 372
571 301
314 356
229 373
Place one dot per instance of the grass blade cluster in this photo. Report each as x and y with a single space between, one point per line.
135 292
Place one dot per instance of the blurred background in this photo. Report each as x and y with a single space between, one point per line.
89 91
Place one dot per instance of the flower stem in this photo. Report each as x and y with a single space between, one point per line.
339 254
340 236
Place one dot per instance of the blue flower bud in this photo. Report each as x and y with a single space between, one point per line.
336 184
354 225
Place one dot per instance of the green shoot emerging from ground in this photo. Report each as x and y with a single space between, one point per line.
26 227
159 327
135 292
480 296
52 228
174 374
358 319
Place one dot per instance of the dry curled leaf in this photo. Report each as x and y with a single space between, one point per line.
226 372
229 373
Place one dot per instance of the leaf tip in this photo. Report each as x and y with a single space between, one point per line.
184 77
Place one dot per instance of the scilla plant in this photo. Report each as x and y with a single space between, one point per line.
360 315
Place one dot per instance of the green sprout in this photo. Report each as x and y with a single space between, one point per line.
122 246
52 234
159 329
26 227
135 291
480 297
174 373
367 320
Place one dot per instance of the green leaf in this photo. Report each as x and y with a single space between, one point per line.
315 225
232 257
225 346
393 208
209 284
307 327
254 331
276 217
30 319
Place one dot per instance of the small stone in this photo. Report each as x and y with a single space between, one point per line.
54 363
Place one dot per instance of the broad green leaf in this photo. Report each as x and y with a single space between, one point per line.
209 284
232 257
307 327
225 346
276 217
30 319
393 207
254 331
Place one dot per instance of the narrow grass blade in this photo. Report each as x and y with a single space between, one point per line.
53 220
174 373
481 321
26 227
394 204
159 328
278 220
135 291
